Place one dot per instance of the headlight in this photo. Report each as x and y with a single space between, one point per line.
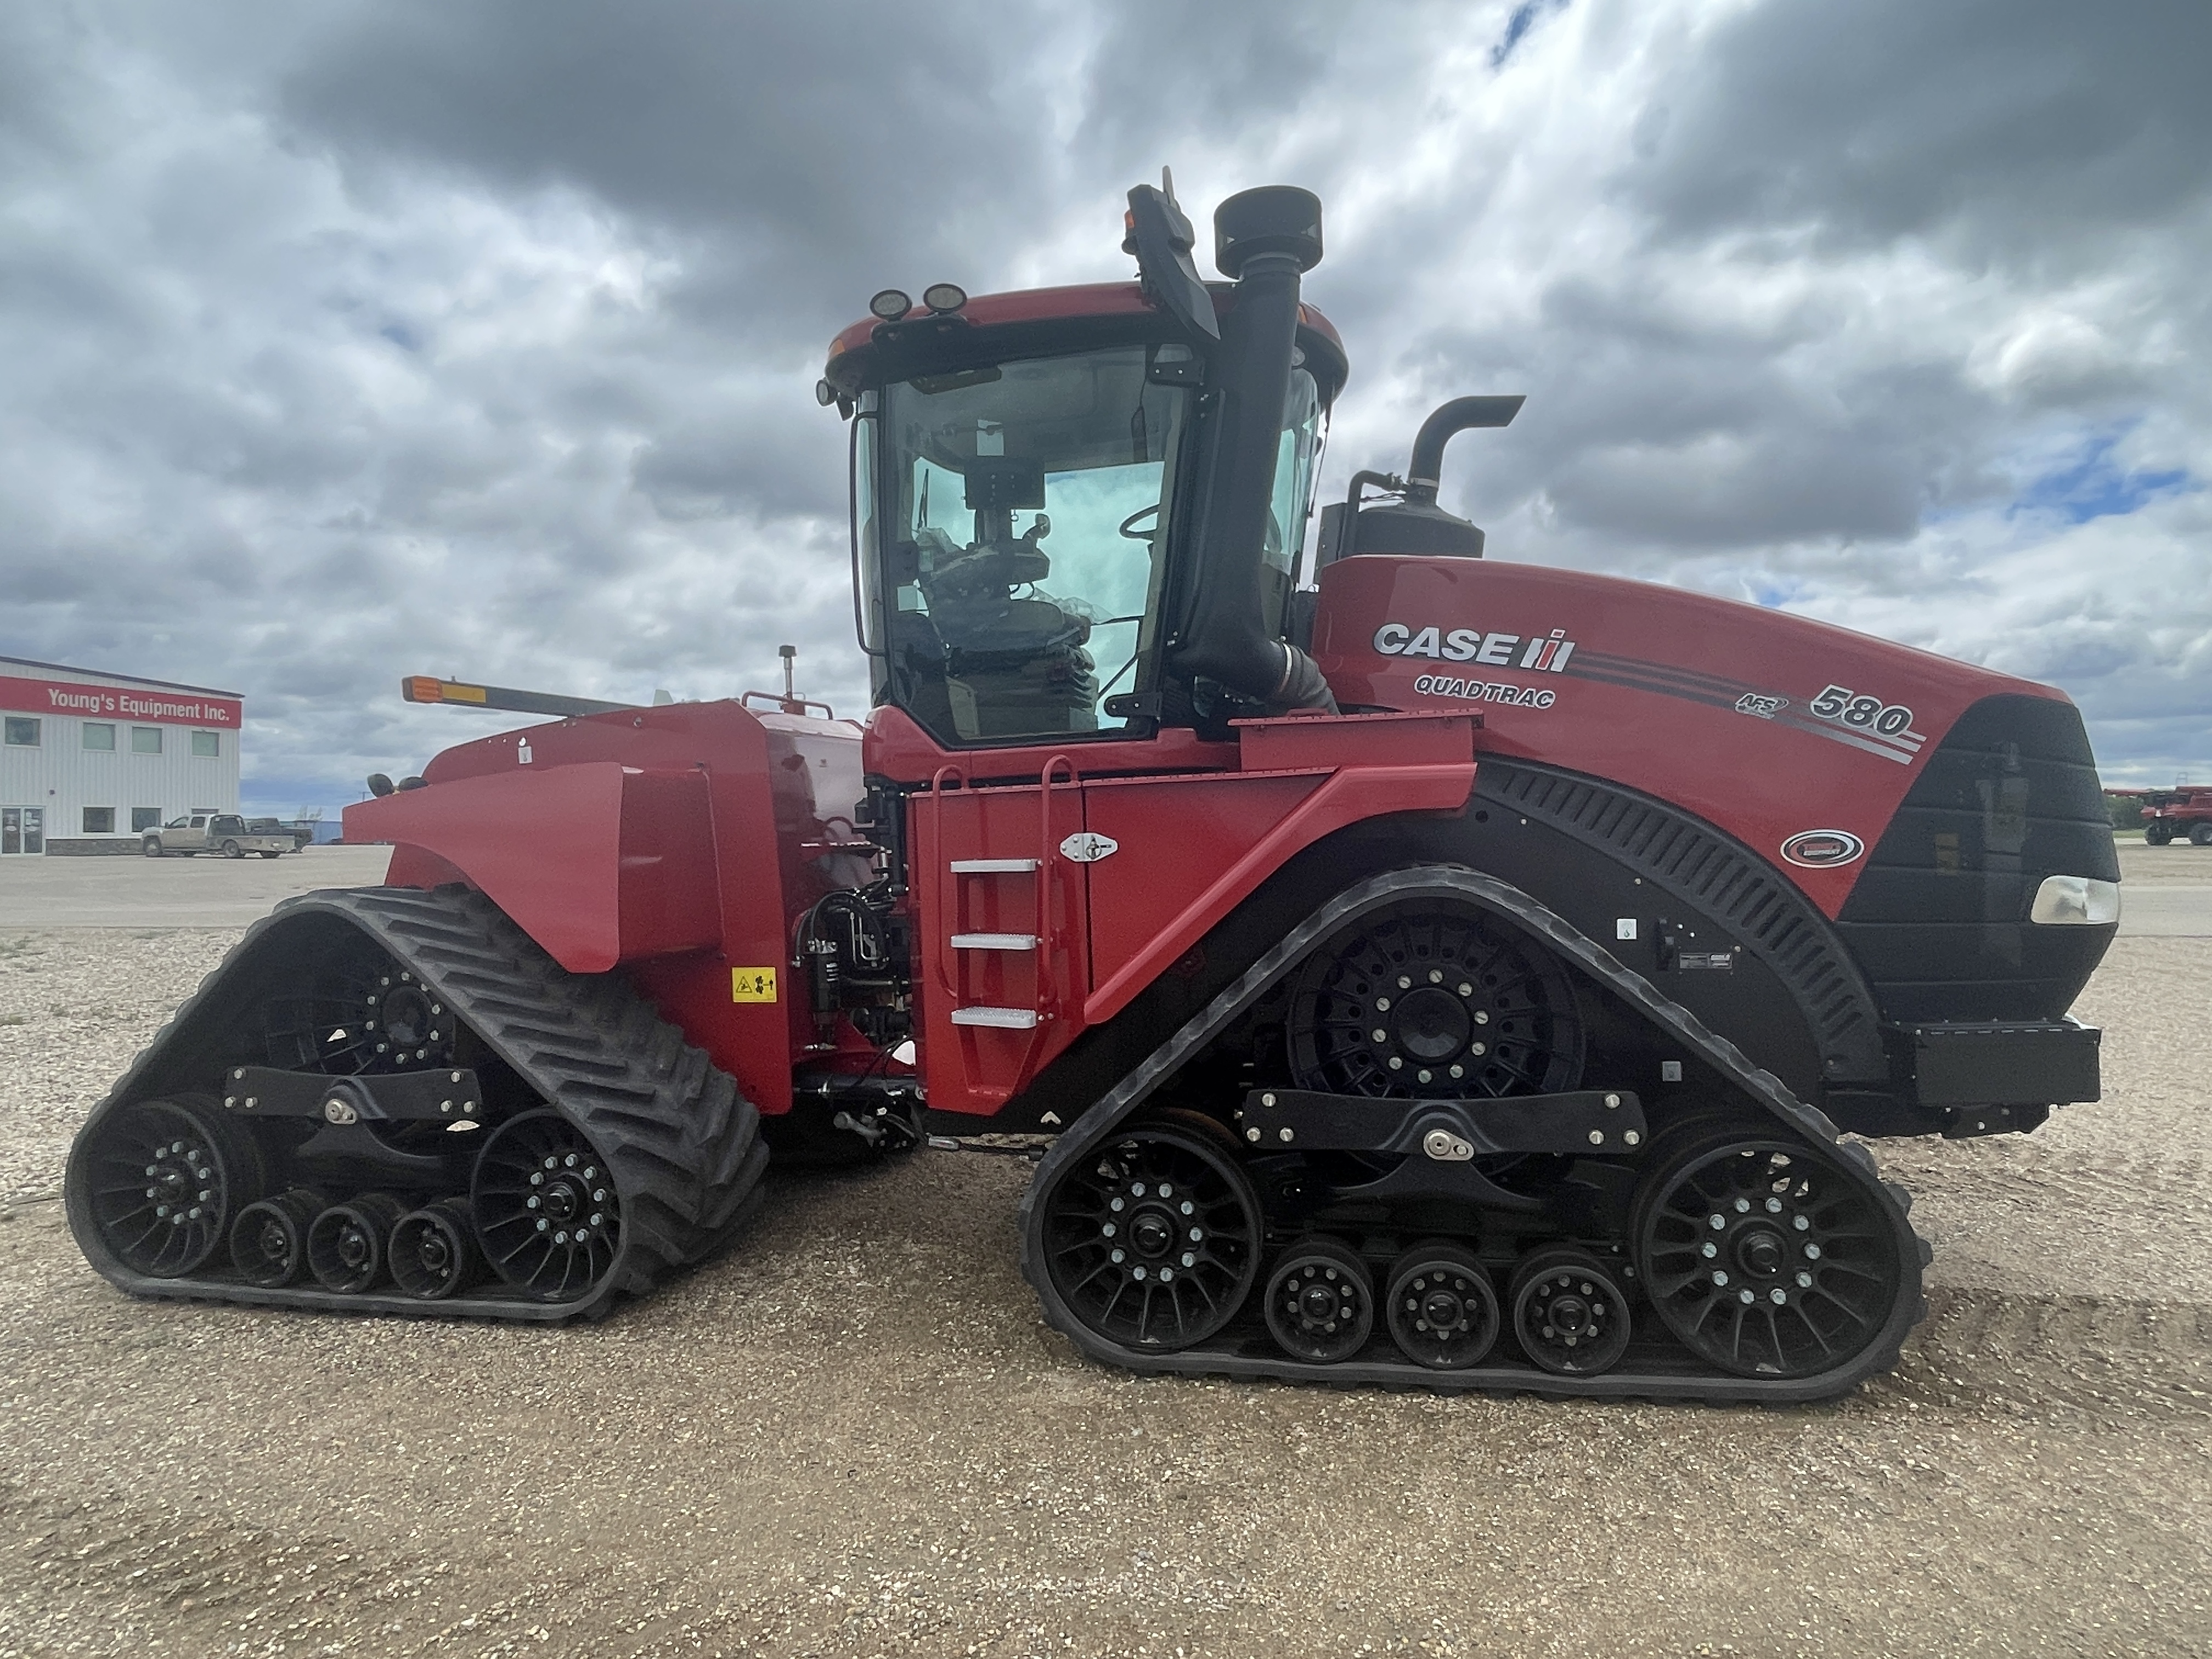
2076 900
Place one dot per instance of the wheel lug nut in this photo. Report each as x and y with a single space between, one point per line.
598 1219
1804 1281
1812 1253
1115 1205
1774 1206
1189 1259
1746 1296
1379 1035
1382 1004
1716 1222
1465 989
1719 1277
544 1226
1459 1071
1711 1249
1107 1230
1197 1234
530 1203
1799 1222
1743 1206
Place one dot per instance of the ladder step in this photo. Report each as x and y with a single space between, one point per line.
1005 1019
992 866
994 941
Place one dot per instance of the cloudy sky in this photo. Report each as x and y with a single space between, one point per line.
346 341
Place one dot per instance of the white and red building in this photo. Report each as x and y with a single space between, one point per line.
90 760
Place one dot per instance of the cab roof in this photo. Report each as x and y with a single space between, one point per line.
1031 322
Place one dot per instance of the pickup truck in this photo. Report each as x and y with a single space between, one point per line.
211 832
299 834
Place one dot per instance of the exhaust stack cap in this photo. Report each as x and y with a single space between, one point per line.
1272 219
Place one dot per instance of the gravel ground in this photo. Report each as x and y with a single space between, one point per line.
853 1436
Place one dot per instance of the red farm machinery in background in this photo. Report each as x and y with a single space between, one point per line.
1443 971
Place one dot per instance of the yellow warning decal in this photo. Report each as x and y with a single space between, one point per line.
752 985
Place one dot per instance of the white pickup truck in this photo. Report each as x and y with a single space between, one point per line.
211 832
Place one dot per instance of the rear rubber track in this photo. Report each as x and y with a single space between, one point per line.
685 1146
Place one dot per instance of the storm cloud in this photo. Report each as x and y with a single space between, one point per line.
354 340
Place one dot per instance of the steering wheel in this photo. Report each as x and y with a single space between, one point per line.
1128 526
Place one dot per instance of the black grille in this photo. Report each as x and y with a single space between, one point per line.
1939 918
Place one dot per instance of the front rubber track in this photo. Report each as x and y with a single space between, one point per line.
684 1145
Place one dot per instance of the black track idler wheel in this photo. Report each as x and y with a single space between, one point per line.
1766 1255
546 1210
1321 1301
1569 1313
162 1180
1155 1241
269 1240
1441 1309
347 1242
433 1250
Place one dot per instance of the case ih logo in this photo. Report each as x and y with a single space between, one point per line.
1535 652
1822 850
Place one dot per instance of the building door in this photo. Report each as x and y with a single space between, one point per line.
22 829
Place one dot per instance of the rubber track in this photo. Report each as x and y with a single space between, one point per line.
685 1146
1680 1378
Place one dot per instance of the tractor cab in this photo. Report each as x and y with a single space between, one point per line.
1078 512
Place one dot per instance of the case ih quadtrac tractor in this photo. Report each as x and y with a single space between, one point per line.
1461 974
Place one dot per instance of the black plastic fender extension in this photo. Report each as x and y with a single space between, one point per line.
1689 1379
684 1145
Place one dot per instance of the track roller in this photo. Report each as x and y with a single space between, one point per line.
1321 1301
269 1240
346 1244
1442 1311
433 1250
1569 1313
160 1180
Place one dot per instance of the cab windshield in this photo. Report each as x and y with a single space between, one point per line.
1014 517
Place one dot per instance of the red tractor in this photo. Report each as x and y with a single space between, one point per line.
2181 813
1461 974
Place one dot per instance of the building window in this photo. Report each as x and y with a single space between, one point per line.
21 733
207 742
97 734
145 818
99 820
145 739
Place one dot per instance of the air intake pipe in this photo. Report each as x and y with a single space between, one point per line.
1265 241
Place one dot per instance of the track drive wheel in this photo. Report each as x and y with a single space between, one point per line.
1442 1311
1155 1241
157 1181
269 1240
1569 1313
1321 1301
1768 1256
